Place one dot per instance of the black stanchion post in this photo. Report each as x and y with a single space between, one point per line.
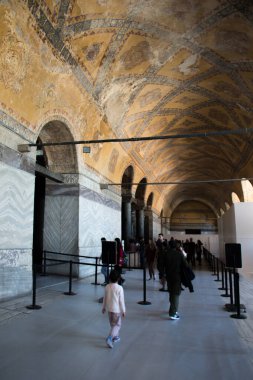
96 273
213 265
222 277
144 302
218 270
226 283
34 306
231 287
70 293
230 306
238 306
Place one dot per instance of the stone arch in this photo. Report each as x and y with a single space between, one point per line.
141 190
61 158
247 190
150 200
193 215
127 180
235 198
126 216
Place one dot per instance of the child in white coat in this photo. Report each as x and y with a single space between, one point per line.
114 303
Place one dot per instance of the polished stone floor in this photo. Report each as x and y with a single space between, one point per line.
65 338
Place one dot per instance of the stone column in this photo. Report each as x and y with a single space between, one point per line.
140 222
126 221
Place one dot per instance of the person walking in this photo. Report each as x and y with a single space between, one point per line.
199 251
174 262
150 254
161 247
191 252
114 304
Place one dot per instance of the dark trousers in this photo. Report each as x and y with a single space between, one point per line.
174 302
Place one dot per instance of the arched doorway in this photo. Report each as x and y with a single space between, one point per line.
51 218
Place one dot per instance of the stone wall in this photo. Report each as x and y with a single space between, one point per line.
16 231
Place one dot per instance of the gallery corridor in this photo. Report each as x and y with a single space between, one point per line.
65 339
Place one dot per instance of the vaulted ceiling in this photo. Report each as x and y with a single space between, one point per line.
165 67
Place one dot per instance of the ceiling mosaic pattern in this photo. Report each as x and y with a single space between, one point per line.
165 67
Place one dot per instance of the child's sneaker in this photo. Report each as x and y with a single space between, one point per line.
116 339
174 317
109 342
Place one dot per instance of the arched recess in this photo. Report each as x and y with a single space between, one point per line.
150 200
62 158
55 205
126 195
139 210
193 217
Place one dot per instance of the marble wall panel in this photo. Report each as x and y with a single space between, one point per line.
75 220
61 223
16 231
15 272
16 208
98 217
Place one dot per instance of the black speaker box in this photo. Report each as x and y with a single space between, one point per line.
109 252
233 255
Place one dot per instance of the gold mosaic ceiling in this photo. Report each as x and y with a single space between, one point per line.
162 67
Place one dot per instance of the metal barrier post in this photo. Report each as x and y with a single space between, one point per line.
96 273
238 315
222 277
70 293
230 306
144 302
226 283
34 306
218 270
213 265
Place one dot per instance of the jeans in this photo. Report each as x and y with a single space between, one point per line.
104 271
174 302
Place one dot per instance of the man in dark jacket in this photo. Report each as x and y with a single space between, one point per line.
174 262
161 248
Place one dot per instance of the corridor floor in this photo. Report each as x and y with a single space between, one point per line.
65 339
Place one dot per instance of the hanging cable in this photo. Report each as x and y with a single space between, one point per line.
148 138
193 182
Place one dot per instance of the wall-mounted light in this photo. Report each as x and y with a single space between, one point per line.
86 149
24 148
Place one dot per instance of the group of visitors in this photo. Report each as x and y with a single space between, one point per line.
174 261
194 251
118 259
